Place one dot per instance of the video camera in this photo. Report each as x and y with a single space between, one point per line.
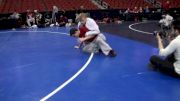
161 34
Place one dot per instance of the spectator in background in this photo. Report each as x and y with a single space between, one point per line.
135 10
54 14
141 14
15 16
106 19
15 19
127 11
136 16
62 21
69 23
140 10
146 10
38 17
127 14
81 9
30 19
47 19
166 21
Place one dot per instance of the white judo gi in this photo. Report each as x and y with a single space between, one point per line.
99 41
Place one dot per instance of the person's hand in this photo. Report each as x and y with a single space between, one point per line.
82 39
160 44
158 36
76 47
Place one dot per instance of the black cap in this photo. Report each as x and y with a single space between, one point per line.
73 31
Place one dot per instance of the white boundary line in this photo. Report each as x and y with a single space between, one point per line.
70 79
130 27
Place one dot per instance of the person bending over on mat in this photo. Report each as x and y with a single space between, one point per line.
171 64
90 37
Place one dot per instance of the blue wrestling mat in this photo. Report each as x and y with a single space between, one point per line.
43 64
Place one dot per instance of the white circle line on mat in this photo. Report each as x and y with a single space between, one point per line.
136 30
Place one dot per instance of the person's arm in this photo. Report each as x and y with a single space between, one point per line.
82 40
79 45
86 38
160 44
168 50
92 26
93 32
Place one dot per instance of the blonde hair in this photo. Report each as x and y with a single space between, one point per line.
81 15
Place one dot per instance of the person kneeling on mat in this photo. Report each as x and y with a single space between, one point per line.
92 43
89 35
171 64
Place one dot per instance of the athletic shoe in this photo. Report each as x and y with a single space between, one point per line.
112 53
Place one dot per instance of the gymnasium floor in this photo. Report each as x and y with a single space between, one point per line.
41 64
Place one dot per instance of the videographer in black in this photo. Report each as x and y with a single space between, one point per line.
171 64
